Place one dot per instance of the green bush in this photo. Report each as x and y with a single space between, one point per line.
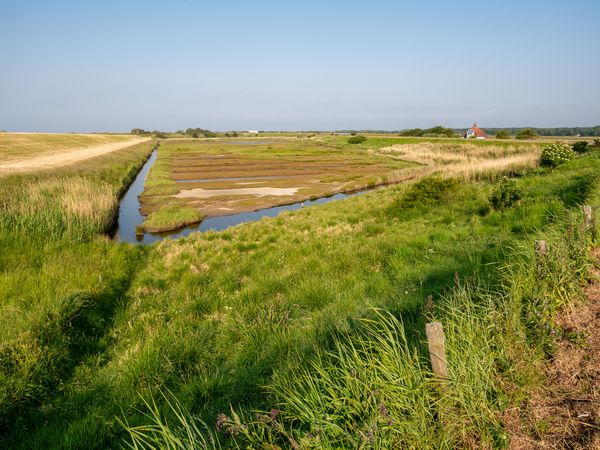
357 140
506 195
502 134
527 133
555 154
427 192
580 147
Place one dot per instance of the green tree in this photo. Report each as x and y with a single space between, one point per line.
357 140
580 146
526 133
502 134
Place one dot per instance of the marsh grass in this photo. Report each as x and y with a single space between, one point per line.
354 169
187 432
93 331
75 206
73 203
368 383
171 217
466 160
60 281
316 169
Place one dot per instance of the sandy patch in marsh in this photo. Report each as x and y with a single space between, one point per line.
66 157
259 192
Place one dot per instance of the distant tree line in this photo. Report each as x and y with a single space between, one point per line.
192 132
561 131
197 132
505 132
437 131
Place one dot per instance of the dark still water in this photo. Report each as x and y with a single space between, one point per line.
129 208
130 216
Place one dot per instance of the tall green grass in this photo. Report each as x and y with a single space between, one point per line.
61 282
370 386
236 323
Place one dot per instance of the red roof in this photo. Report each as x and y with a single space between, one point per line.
478 131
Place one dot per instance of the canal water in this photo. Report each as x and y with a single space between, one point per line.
130 215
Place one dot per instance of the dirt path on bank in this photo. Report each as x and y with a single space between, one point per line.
66 157
565 413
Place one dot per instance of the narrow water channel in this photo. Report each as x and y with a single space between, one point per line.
129 208
130 215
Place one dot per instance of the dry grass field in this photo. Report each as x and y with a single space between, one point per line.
20 152
466 159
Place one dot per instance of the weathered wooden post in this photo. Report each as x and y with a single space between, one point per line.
540 249
588 217
540 255
429 304
437 349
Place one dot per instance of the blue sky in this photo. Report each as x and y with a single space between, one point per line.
114 65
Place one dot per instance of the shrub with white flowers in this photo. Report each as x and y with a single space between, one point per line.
556 154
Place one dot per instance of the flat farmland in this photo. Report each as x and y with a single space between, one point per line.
222 177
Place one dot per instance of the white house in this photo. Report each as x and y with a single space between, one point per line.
475 132
253 131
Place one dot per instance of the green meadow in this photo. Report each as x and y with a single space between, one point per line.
302 331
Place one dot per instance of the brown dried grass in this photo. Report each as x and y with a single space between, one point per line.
466 160
565 412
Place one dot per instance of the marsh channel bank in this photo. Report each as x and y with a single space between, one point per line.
129 215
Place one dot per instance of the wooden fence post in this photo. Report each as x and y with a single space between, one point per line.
429 304
540 249
540 254
437 349
588 217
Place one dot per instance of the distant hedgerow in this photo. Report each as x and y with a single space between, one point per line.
555 154
506 195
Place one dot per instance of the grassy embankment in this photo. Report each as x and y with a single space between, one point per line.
15 146
279 314
190 178
279 317
61 280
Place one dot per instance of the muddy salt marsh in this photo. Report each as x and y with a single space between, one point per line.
130 216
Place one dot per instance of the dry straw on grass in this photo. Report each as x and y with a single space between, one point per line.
468 161
74 201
